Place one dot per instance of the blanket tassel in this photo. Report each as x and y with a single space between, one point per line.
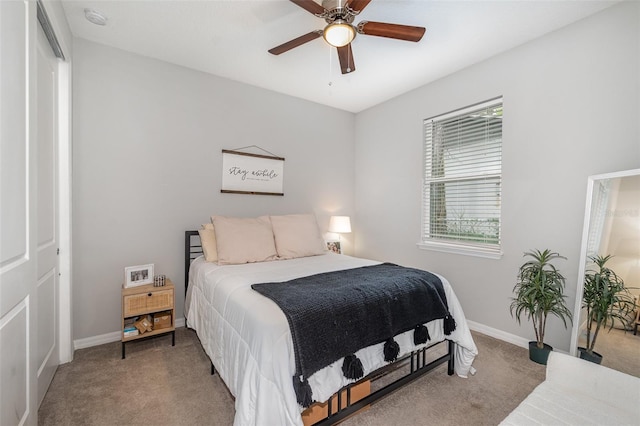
420 335
352 367
303 391
391 350
449 324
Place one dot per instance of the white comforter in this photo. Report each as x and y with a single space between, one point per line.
248 340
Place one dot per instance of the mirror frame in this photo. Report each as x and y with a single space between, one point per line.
573 348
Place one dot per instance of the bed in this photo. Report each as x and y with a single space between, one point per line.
249 342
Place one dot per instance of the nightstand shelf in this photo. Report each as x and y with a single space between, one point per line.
149 300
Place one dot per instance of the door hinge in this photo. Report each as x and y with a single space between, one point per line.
58 251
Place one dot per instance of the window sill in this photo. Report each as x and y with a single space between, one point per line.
466 250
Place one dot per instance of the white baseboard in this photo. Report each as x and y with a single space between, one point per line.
180 322
108 338
504 336
499 334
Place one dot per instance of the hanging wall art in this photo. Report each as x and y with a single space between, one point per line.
246 173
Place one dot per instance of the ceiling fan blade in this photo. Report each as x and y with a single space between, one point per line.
357 5
345 55
310 6
284 47
400 32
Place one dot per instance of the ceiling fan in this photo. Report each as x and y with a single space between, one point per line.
340 31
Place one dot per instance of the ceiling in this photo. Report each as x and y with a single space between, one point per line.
230 38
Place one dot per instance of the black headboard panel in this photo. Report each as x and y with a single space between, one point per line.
192 249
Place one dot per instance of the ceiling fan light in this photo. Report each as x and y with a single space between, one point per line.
339 33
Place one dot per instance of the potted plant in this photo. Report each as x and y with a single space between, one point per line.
538 293
605 299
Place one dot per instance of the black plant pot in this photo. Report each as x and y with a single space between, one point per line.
594 356
539 355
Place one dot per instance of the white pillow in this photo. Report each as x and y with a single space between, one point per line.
297 235
208 242
244 240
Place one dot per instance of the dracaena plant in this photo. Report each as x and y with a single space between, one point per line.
539 292
605 299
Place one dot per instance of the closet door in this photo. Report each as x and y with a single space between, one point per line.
46 211
18 220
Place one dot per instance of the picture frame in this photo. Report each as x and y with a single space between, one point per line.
256 174
334 247
138 275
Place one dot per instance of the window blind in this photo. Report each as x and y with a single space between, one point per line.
599 205
463 176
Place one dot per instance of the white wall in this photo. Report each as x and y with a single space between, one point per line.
147 164
571 109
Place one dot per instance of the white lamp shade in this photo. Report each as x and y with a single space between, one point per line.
340 224
339 33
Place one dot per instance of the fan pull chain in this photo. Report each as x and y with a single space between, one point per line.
330 67
330 84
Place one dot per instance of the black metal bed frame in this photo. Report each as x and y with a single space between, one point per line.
416 359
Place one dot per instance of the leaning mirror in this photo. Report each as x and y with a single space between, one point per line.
611 228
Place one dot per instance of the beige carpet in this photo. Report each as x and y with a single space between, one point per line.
163 385
620 350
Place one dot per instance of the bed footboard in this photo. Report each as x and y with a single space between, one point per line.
418 367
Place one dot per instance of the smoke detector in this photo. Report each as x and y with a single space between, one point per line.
95 17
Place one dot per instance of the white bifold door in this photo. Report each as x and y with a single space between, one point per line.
29 352
47 214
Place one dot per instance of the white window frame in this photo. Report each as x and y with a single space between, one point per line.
486 250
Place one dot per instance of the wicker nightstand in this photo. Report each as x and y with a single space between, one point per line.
153 301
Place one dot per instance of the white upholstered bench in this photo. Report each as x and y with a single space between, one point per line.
578 392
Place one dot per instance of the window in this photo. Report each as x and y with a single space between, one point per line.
599 206
462 180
